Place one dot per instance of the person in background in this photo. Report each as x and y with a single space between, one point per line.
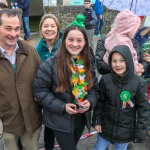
19 61
99 10
4 2
121 113
25 5
122 33
142 18
79 21
51 36
90 21
2 6
67 88
14 4
47 46
143 37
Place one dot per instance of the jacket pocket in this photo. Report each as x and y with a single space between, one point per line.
5 110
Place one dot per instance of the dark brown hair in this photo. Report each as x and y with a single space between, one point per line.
64 61
87 1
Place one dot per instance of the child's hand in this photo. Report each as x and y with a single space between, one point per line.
98 128
139 69
147 57
100 17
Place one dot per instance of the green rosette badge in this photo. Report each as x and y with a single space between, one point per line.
125 96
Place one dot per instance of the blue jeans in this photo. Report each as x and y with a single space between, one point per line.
99 25
26 27
102 144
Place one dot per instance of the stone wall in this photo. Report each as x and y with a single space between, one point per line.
66 14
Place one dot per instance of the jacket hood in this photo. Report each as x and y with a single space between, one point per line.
126 23
122 31
126 53
98 7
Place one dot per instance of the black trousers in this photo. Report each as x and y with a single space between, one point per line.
68 141
19 144
49 139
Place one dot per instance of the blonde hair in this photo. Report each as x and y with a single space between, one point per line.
144 32
46 16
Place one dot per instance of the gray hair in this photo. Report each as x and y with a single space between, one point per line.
9 13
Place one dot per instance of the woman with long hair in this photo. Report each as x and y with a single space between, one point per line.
67 88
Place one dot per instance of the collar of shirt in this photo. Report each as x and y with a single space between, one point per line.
12 58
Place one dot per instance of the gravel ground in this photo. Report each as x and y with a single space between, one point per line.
87 143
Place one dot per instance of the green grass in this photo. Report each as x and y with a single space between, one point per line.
34 23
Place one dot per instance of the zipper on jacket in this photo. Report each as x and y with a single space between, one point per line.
116 127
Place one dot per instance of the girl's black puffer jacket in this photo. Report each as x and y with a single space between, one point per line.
53 103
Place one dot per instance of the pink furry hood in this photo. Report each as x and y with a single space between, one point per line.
122 31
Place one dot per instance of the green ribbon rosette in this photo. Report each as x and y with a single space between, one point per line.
125 96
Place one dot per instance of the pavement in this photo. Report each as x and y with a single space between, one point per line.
86 143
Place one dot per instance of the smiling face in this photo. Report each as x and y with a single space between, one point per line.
49 29
75 42
118 64
9 31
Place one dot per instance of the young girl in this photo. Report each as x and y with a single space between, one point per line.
67 88
122 96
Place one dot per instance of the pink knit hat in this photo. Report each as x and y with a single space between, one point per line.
125 26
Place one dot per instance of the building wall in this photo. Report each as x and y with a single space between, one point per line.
36 7
67 14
